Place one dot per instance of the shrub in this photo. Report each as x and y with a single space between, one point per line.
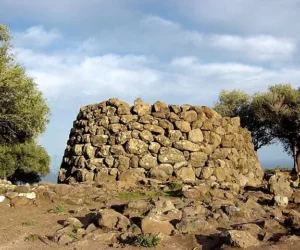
146 240
29 223
57 209
32 237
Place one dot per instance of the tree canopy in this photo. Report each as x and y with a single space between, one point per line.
269 116
24 115
238 103
23 111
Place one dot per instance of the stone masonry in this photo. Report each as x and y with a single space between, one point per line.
112 141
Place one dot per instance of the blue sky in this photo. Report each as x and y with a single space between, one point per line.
82 52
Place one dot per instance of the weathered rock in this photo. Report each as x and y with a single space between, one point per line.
175 135
170 155
189 116
20 201
129 118
73 222
22 189
123 108
160 106
154 147
64 239
30 196
112 220
136 146
146 136
183 126
99 140
148 161
62 189
186 174
296 197
198 159
281 201
152 225
154 129
280 186
207 172
192 225
186 145
163 140
122 163
242 239
102 237
132 175
141 108
252 228
196 136
162 172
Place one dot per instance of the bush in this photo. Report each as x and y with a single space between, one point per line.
146 240
57 209
32 237
24 162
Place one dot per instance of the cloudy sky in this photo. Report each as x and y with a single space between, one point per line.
82 52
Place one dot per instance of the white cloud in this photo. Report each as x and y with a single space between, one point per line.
188 78
262 47
36 36
279 17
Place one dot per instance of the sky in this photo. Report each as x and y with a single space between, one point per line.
83 52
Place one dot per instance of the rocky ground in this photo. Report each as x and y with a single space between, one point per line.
171 215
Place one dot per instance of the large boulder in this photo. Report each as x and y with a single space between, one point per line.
111 220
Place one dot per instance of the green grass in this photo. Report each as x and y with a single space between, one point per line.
32 237
146 240
57 209
134 195
29 223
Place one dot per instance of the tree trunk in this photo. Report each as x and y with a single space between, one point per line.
296 156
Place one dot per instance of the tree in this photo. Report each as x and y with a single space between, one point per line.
23 111
24 162
238 103
270 116
280 110
24 115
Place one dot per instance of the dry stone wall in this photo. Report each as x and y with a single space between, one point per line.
112 141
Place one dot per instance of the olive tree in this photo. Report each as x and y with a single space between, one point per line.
23 110
24 115
280 109
270 116
238 103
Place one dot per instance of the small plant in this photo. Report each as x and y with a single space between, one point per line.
57 209
146 240
73 235
32 237
29 223
174 185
